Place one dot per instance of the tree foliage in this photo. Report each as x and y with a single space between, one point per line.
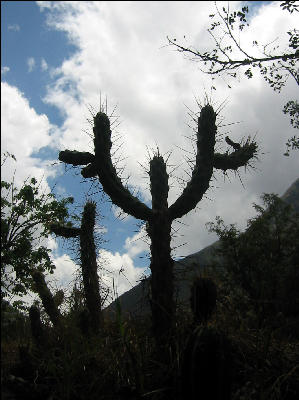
230 58
25 216
263 260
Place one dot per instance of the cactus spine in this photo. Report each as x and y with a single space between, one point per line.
88 260
160 217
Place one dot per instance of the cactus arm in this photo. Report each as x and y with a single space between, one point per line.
101 165
75 157
46 297
108 177
238 158
64 231
202 173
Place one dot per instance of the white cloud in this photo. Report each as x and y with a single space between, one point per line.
23 133
137 244
119 213
4 70
30 64
44 65
65 270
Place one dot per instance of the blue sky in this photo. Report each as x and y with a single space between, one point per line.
58 58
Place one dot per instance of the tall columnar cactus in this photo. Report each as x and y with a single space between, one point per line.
207 365
36 326
47 298
159 218
203 299
88 261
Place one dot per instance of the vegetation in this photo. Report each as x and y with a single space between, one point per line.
25 216
242 345
229 57
263 261
239 339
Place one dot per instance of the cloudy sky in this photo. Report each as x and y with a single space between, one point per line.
61 60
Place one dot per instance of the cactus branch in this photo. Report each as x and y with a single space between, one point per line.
111 183
65 231
46 298
203 168
236 159
76 157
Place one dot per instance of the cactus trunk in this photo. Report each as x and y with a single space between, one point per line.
89 266
159 231
161 278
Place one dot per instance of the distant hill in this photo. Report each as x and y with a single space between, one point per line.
135 301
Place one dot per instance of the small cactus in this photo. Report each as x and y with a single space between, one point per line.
207 366
84 321
37 329
47 298
88 253
203 299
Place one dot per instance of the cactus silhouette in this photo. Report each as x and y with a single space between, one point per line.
88 261
36 326
207 364
47 298
159 218
203 299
